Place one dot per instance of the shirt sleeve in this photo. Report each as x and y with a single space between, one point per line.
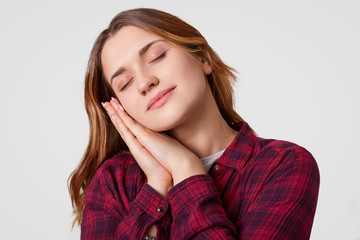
285 207
197 211
108 214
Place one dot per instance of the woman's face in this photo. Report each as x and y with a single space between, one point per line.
158 83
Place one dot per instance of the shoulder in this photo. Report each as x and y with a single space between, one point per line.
117 163
116 166
115 175
283 153
277 159
249 152
266 157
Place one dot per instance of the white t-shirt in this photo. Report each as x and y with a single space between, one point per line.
209 160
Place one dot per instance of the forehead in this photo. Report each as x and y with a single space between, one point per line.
130 36
126 40
124 46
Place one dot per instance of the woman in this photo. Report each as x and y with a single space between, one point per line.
168 157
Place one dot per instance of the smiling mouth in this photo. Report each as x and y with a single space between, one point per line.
160 98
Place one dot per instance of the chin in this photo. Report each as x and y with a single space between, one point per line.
164 121
161 126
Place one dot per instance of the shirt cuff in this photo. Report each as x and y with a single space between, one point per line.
152 202
189 190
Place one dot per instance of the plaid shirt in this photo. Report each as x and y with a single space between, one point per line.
258 189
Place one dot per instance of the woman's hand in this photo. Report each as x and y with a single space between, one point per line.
156 153
157 176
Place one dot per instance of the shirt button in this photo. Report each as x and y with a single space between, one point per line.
160 209
149 238
216 167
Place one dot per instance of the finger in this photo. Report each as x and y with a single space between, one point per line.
116 110
131 140
135 142
119 125
140 153
136 128
149 139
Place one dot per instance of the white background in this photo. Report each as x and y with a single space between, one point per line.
299 73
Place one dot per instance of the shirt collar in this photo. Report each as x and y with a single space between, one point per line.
240 149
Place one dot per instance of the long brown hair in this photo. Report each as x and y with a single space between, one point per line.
104 140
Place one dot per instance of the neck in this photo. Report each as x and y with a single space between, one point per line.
206 133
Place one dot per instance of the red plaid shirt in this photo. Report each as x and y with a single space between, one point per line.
257 189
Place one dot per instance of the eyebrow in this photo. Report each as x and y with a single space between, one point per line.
141 53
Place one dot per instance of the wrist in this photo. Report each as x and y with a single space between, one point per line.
187 170
160 186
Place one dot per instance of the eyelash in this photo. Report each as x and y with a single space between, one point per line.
123 87
157 58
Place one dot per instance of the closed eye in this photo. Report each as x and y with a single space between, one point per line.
123 87
159 57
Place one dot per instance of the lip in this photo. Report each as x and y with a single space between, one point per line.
160 99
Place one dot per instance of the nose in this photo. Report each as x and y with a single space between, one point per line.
146 82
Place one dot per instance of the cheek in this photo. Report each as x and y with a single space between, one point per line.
195 80
189 69
131 107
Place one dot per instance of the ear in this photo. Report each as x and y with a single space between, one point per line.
207 68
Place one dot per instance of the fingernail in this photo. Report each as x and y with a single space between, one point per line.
114 100
103 104
112 116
